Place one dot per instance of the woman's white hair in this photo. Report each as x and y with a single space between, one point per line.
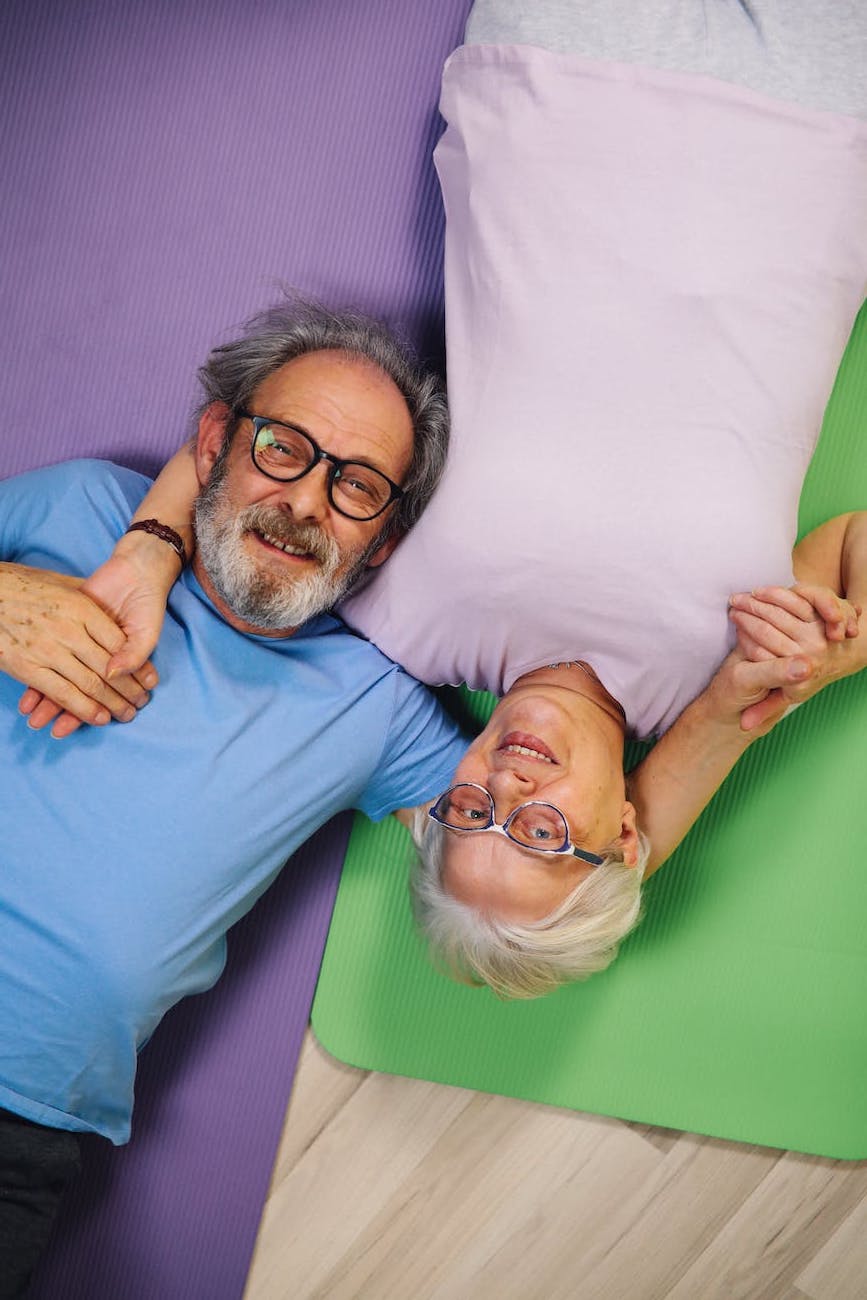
524 961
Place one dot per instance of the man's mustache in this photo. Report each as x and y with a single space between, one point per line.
275 525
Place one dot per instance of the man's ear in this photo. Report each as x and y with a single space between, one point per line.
209 438
381 554
628 840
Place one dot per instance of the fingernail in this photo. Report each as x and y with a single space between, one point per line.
798 670
149 680
128 714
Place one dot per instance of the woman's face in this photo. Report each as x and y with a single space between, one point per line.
550 743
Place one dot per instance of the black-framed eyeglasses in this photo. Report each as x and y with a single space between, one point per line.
286 453
539 827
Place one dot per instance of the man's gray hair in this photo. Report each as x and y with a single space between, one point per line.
524 961
297 326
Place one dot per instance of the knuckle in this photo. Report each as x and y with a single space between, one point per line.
91 684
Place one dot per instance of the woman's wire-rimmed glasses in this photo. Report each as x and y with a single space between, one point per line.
286 453
539 827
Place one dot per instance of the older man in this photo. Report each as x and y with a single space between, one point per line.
128 853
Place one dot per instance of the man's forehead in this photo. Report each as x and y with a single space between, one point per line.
344 401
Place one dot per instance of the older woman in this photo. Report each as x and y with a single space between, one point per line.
655 253
651 273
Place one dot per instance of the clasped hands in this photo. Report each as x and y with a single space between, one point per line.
803 635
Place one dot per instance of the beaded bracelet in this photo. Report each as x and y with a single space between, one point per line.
165 534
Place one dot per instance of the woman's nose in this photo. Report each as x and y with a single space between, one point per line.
509 786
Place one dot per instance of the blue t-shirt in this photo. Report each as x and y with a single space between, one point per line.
126 852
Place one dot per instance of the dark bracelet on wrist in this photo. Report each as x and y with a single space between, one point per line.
164 533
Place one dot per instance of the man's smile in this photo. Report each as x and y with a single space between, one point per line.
287 549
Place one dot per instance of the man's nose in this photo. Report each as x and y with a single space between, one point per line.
307 497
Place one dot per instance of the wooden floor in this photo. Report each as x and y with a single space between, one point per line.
397 1189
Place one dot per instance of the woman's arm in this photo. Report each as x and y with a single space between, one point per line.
792 643
136 579
688 764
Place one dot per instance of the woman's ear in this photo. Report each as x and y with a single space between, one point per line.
209 438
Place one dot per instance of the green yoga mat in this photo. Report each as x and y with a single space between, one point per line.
739 1007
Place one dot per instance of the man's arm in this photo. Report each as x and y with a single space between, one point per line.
824 557
686 767
835 555
820 618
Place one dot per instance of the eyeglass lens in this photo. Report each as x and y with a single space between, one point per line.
286 454
535 825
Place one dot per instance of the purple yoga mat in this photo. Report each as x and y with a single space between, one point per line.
166 165
175 1213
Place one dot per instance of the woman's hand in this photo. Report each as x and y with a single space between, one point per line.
56 639
753 695
133 586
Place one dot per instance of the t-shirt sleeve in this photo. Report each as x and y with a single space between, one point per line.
88 501
422 748
26 503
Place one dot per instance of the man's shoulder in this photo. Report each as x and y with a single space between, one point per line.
92 480
332 626
67 511
327 636
83 475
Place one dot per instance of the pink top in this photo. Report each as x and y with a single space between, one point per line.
650 281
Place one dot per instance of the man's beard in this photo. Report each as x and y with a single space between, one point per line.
266 597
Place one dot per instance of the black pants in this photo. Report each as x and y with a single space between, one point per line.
36 1166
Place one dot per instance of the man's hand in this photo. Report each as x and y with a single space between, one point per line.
774 621
58 641
812 623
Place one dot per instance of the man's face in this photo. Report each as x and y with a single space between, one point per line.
273 555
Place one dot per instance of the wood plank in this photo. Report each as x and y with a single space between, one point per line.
344 1177
388 1188
665 1224
322 1087
839 1270
787 1220
506 1188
